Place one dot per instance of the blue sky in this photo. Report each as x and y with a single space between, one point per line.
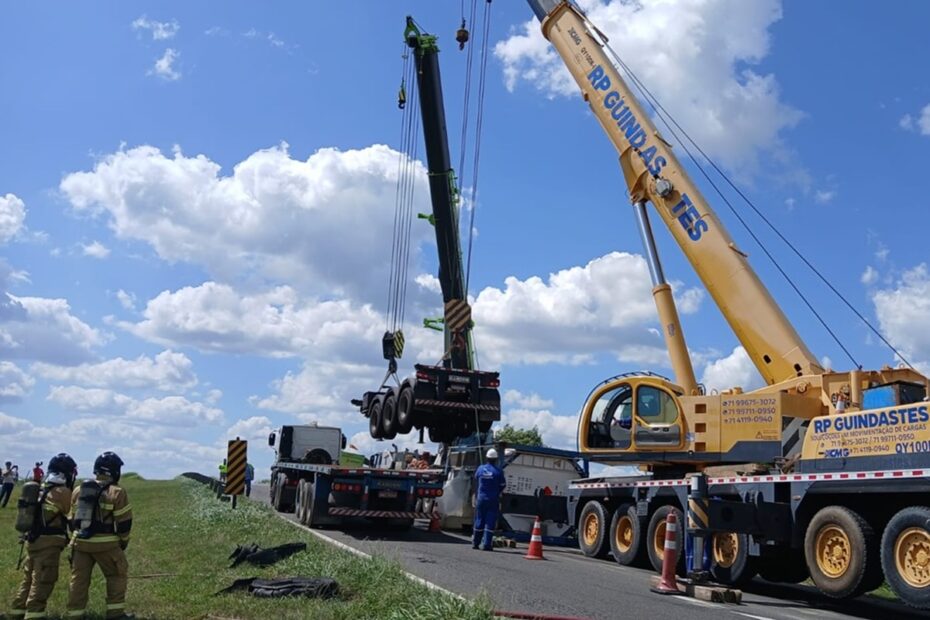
196 204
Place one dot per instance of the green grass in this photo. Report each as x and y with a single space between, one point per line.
182 536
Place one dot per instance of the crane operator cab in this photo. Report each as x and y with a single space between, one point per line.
630 413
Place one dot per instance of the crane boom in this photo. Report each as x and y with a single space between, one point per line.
443 194
653 173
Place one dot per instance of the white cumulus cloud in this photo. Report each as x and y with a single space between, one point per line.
175 411
167 371
278 323
160 31
126 300
734 370
165 68
43 329
919 124
321 224
14 383
573 315
255 428
696 57
321 392
903 311
95 250
12 216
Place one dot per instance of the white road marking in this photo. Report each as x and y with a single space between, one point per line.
360 553
754 616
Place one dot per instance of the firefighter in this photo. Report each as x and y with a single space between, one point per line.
490 483
101 520
46 538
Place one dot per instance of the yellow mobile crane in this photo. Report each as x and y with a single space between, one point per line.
845 497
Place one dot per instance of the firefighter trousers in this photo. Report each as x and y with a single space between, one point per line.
38 582
115 569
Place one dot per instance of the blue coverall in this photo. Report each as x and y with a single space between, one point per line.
490 482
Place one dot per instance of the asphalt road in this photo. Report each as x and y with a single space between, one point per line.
569 584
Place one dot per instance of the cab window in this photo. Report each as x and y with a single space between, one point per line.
655 406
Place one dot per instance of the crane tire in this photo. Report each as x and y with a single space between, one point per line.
730 563
389 425
374 418
592 530
904 549
655 537
405 409
626 535
839 545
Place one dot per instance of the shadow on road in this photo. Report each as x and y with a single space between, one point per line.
800 596
362 530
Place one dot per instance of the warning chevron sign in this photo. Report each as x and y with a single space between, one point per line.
458 314
236 457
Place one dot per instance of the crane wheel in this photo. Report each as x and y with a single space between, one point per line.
626 535
905 550
374 418
592 530
389 424
729 558
405 409
839 546
655 538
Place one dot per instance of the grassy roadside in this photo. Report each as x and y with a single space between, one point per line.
181 538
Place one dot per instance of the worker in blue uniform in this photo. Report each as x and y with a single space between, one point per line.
490 483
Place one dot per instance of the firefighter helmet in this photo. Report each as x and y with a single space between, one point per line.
109 464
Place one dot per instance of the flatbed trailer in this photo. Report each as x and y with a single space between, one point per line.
331 495
847 530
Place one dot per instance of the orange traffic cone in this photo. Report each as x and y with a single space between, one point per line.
667 584
535 552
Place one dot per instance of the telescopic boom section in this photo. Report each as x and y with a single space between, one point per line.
654 174
443 194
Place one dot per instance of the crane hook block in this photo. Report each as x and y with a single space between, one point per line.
461 35
401 97
392 344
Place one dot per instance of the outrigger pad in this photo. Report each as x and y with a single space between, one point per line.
253 554
313 587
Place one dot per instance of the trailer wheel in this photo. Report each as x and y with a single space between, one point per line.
299 500
729 558
405 410
838 546
592 530
906 555
374 418
784 566
655 537
389 416
277 501
626 535
309 496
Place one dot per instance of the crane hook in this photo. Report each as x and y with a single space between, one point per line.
401 96
461 35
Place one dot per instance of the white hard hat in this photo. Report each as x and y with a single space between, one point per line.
492 454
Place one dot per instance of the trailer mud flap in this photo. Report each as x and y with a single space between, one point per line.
547 508
769 520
